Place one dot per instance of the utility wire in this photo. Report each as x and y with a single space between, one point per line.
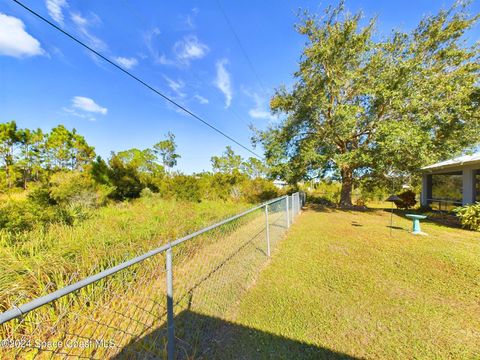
136 78
141 20
232 29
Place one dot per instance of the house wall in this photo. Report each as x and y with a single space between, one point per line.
468 183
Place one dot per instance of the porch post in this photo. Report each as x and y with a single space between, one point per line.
468 188
426 189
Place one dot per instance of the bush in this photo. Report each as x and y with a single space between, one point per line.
79 189
181 187
258 190
319 200
146 193
407 200
326 192
469 216
25 215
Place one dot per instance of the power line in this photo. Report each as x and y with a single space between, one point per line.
142 20
165 97
232 29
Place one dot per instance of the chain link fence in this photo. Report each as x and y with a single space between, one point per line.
157 305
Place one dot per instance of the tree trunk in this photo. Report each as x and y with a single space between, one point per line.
347 184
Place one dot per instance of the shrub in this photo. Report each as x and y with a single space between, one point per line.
360 202
146 193
258 190
181 187
326 192
469 216
19 216
407 200
319 200
75 188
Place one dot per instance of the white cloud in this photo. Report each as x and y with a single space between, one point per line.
55 9
260 111
260 114
88 105
158 58
223 81
162 59
73 112
189 48
15 41
185 50
176 86
79 20
83 24
202 100
127 63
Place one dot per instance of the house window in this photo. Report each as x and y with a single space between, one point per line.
447 188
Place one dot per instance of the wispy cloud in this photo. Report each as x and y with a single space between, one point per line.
189 48
188 21
80 115
55 9
260 110
83 24
88 105
202 100
157 58
127 63
15 41
223 81
176 86
185 50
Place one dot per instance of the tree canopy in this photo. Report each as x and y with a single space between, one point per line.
27 155
362 107
166 150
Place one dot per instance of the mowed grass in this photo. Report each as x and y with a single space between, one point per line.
340 286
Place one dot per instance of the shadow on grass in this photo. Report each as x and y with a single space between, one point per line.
438 218
330 209
204 337
396 227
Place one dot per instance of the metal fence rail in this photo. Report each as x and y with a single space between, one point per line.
445 205
149 306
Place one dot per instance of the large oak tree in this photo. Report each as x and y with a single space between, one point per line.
361 105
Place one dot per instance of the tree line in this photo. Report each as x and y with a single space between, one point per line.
33 156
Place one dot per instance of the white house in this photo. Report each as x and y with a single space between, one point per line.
455 181
280 183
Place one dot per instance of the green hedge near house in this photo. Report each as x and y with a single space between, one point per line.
469 216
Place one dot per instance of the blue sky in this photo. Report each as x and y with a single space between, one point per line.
183 48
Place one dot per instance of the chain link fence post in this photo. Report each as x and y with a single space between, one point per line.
170 323
287 212
267 230
292 208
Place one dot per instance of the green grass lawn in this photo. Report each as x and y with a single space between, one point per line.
340 287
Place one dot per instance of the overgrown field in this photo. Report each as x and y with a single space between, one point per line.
40 261
340 287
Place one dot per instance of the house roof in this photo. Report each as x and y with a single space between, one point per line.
464 160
